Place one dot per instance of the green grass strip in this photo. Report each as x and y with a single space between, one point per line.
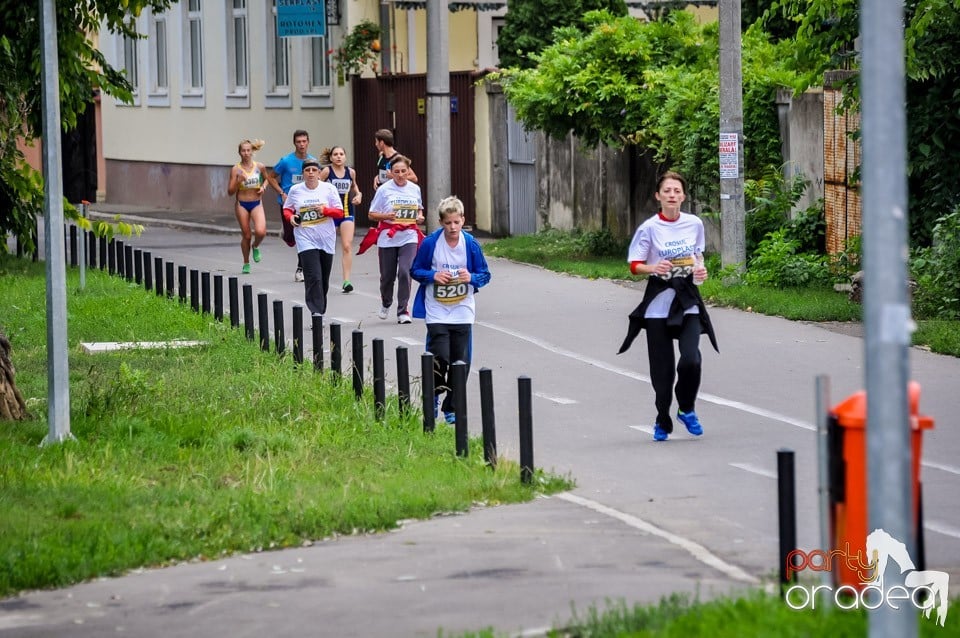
201 452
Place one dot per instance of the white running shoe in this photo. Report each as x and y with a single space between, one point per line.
404 318
383 312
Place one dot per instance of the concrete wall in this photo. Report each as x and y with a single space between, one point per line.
801 133
499 185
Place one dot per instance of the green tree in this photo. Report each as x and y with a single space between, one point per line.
82 68
530 24
654 85
932 47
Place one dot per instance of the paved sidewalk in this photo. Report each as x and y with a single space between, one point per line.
517 568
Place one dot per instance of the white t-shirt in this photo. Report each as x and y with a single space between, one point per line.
678 241
315 231
406 202
453 302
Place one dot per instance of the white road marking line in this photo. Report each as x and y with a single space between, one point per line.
710 398
642 428
560 400
753 469
698 551
342 319
410 341
942 528
630 374
953 469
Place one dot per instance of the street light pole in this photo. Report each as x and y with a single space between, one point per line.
733 250
438 108
58 386
886 307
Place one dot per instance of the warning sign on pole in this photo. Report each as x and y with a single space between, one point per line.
729 156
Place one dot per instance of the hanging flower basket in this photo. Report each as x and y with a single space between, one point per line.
358 50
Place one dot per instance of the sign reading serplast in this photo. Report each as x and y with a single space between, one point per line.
301 18
926 590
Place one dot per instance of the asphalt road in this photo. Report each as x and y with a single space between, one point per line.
645 518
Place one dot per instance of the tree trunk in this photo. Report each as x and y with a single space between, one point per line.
12 407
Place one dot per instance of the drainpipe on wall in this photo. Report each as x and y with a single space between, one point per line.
385 45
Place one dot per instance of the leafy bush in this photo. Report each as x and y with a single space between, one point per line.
599 243
777 262
809 227
937 271
769 201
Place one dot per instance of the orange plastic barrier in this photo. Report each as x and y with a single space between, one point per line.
850 513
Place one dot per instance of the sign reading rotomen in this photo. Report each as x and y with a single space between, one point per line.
924 589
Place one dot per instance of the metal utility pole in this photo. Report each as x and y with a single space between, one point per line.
733 239
58 383
438 108
886 305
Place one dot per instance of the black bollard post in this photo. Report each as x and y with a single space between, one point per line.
158 270
112 257
121 260
403 380
787 508
379 380
234 302
357 363
168 268
182 283
525 391
279 340
487 417
458 381
73 245
195 289
128 262
297 334
91 249
205 292
264 322
248 311
138 266
102 253
336 351
426 382
147 271
317 329
218 297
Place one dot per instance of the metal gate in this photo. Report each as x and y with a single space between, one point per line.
521 176
398 103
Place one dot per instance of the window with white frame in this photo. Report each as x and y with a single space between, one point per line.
237 76
318 84
192 90
278 63
130 63
159 93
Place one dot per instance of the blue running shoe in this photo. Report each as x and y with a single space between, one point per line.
658 434
450 417
692 422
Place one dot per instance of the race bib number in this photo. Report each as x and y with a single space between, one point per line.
297 179
405 214
450 293
682 266
310 217
251 182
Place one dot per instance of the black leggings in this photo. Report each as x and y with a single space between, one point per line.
317 265
449 343
660 350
